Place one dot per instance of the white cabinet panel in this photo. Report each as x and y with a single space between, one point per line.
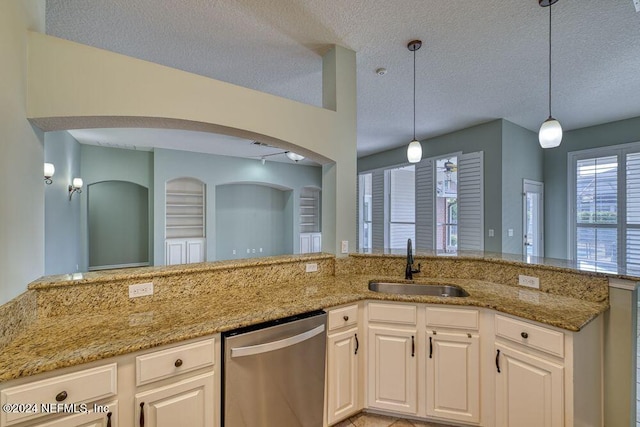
392 369
185 403
342 374
529 390
453 376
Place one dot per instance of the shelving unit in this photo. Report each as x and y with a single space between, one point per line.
310 237
185 229
185 212
309 210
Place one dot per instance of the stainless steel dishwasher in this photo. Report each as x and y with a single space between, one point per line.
274 373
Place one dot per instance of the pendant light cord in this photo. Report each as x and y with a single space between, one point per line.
550 60
414 95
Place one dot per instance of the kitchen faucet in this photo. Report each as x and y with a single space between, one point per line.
408 272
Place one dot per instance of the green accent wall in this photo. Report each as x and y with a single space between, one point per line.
486 137
522 158
556 175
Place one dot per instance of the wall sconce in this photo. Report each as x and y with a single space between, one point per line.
75 187
49 170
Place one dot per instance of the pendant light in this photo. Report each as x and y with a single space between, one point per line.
550 134
414 151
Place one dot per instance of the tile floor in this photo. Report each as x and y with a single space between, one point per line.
371 420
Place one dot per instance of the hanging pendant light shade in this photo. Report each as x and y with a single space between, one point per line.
414 150
550 134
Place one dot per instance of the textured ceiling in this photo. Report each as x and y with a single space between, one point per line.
480 60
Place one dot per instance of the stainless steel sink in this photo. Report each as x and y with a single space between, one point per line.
413 289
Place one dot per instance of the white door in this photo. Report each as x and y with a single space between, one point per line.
453 376
90 418
532 218
529 390
392 369
342 374
186 403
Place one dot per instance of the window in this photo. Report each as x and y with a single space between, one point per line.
401 206
365 212
605 218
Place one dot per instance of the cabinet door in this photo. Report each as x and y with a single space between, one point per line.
175 252
305 243
185 403
342 374
392 369
529 390
195 250
103 415
453 376
316 242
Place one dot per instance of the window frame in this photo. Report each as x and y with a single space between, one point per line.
620 151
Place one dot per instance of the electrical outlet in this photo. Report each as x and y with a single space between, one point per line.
345 247
636 3
510 232
492 232
529 281
311 267
140 290
234 251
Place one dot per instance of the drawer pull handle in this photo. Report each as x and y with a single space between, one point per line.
109 419
413 346
141 414
524 335
346 318
61 396
357 344
430 348
498 361
178 363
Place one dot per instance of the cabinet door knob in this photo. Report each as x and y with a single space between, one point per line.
524 335
498 361
345 318
178 363
357 344
141 423
61 396
109 419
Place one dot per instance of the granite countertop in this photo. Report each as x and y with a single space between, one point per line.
63 341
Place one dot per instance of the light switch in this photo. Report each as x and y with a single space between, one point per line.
510 232
492 232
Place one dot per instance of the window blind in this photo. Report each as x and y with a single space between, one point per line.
424 204
471 202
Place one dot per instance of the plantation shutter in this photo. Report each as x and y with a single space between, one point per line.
377 209
424 204
470 202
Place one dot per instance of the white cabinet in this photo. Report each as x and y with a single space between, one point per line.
184 251
47 398
94 417
185 403
452 363
310 243
344 361
453 376
529 390
546 377
392 362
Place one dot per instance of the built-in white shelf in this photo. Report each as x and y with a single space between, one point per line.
184 208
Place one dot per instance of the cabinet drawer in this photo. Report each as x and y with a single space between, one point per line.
174 361
530 335
344 316
84 386
393 313
448 317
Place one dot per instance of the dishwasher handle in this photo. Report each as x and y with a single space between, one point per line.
276 345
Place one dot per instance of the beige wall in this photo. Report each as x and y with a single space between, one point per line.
21 155
73 85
